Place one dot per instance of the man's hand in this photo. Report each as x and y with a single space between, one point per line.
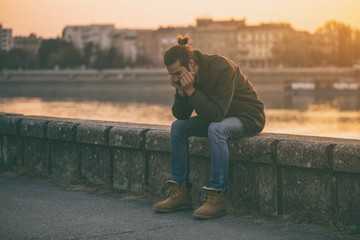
187 82
177 85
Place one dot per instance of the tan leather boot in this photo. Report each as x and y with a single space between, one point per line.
214 205
179 198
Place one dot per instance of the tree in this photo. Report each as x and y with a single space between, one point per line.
339 37
108 59
15 58
58 52
297 49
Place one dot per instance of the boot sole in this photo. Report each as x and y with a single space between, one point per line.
164 210
200 216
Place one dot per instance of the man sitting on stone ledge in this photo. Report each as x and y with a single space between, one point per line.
227 106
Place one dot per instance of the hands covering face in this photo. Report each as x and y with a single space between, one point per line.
184 83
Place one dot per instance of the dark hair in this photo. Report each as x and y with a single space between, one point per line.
180 52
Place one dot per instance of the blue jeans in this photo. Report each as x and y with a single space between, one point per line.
218 134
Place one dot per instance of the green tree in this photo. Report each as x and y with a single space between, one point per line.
108 59
58 52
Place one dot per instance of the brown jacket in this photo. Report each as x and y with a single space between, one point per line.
222 91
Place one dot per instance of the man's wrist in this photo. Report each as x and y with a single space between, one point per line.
189 92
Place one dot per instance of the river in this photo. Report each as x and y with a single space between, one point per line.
316 120
150 100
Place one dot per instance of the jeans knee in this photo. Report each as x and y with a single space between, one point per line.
178 126
215 129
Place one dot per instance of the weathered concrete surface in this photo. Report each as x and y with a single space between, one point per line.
65 131
65 161
252 188
11 152
96 165
308 194
93 134
309 154
348 197
33 128
127 137
129 170
36 155
347 158
41 209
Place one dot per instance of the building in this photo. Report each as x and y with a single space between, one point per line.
255 43
31 43
6 40
164 38
79 36
217 37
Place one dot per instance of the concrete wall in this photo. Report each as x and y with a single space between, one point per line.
302 177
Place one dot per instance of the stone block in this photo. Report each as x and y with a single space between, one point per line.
10 124
159 170
158 140
199 146
347 158
95 164
308 154
36 155
126 137
129 170
199 177
65 161
348 194
252 187
253 149
93 134
10 152
307 194
65 131
33 128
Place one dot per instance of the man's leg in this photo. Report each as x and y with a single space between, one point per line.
218 134
181 130
179 187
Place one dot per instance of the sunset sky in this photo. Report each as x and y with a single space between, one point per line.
47 18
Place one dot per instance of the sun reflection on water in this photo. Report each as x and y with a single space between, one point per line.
317 120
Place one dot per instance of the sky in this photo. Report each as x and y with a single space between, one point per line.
47 18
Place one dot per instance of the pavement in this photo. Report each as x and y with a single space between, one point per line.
43 209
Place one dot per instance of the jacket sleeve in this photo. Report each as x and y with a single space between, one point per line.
216 106
181 108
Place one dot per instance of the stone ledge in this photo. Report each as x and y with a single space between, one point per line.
33 128
347 158
126 137
92 134
307 154
9 124
65 131
158 140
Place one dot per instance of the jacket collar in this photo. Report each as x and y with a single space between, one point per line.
203 66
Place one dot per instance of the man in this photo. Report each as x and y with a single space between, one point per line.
227 106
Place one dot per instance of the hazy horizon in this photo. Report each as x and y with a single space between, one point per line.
47 18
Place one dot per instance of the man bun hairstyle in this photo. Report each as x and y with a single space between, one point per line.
181 52
183 40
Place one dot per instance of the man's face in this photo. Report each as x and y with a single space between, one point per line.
176 70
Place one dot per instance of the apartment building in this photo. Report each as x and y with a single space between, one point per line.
31 43
164 38
79 36
6 40
217 37
255 43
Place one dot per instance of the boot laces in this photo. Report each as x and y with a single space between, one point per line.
210 197
174 191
